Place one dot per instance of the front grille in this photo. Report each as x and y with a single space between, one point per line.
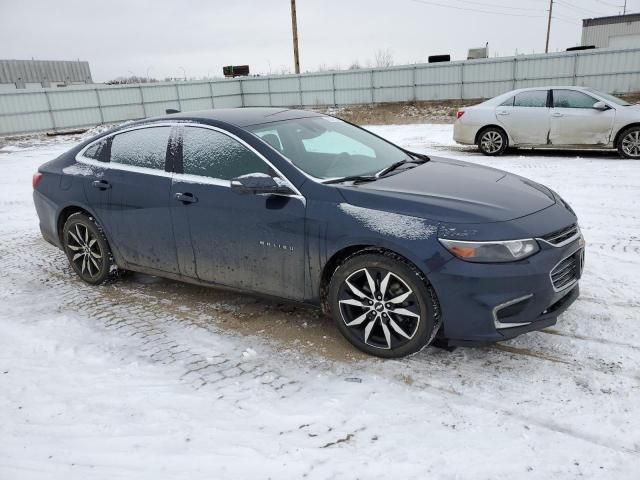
560 236
568 271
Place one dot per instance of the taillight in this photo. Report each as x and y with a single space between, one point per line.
459 114
36 179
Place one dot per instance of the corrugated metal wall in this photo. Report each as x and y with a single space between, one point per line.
601 35
37 71
614 71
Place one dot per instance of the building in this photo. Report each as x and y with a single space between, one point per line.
30 74
621 31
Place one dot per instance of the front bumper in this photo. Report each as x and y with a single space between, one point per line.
486 303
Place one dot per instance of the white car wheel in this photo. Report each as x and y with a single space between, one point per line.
492 141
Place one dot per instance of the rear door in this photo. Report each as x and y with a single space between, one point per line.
574 121
248 241
130 195
526 117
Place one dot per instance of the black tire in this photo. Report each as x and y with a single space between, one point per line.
629 143
373 325
493 141
87 249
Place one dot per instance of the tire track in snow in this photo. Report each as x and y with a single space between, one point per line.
147 320
152 321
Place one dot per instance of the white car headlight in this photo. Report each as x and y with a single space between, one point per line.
491 252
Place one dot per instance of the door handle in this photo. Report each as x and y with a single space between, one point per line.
556 114
186 197
101 184
503 112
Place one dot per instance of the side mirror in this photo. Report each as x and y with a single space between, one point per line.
259 183
601 106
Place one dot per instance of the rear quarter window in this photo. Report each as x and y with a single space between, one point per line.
98 151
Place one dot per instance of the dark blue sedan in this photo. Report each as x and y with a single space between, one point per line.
399 248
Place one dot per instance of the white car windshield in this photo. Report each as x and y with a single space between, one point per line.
328 148
609 98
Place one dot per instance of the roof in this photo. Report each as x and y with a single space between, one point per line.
591 22
241 117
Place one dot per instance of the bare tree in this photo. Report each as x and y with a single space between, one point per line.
131 79
383 58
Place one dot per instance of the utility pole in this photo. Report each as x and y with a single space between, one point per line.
294 27
546 48
624 12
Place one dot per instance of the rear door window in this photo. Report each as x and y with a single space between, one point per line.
209 153
572 99
533 99
144 147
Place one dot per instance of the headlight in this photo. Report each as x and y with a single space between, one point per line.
491 252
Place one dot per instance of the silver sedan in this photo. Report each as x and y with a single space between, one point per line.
551 117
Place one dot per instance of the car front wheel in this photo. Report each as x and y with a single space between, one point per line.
629 143
493 141
383 305
87 249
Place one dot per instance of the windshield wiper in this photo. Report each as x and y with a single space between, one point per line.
420 156
391 168
352 178
417 158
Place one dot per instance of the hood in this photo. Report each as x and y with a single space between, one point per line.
453 191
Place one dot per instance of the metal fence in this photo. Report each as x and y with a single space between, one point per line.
614 71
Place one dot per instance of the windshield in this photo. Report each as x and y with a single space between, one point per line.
328 148
609 98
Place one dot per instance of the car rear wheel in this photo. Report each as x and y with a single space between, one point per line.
87 249
493 141
629 143
383 305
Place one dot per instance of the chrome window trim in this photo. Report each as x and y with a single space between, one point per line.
500 325
123 167
197 179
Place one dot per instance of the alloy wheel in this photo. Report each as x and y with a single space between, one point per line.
85 251
379 308
491 142
631 144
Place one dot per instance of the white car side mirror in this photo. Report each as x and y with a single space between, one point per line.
601 106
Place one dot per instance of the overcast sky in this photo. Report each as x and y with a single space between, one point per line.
171 38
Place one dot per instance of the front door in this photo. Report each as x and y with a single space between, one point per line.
130 194
247 241
574 121
525 117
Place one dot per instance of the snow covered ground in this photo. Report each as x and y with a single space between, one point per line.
149 378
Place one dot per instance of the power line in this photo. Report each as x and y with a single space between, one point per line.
496 5
468 9
611 4
570 5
